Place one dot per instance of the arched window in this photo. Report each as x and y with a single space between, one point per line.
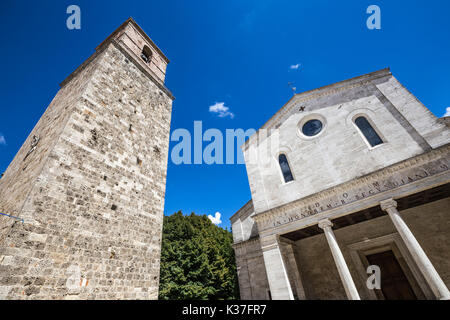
368 131
285 169
146 54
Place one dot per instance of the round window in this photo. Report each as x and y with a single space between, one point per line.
312 127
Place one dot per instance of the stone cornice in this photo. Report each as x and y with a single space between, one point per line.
241 244
369 179
244 209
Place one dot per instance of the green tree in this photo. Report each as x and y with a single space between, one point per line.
197 260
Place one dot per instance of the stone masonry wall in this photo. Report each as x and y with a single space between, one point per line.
19 178
93 217
252 275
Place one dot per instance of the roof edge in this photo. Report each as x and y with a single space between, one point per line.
236 214
371 75
123 25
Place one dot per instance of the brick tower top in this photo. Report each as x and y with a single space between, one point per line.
138 46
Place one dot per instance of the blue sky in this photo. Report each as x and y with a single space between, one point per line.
234 52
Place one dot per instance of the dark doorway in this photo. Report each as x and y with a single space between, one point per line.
394 284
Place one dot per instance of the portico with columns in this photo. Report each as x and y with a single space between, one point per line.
281 228
318 230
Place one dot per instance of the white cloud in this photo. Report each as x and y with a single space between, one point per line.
447 112
215 220
2 140
295 66
221 110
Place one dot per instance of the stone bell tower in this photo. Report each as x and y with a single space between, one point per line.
85 193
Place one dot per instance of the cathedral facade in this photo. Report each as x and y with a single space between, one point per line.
351 202
82 201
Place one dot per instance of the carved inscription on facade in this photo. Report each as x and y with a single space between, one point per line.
390 182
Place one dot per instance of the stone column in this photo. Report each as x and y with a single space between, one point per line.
344 273
434 280
280 287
